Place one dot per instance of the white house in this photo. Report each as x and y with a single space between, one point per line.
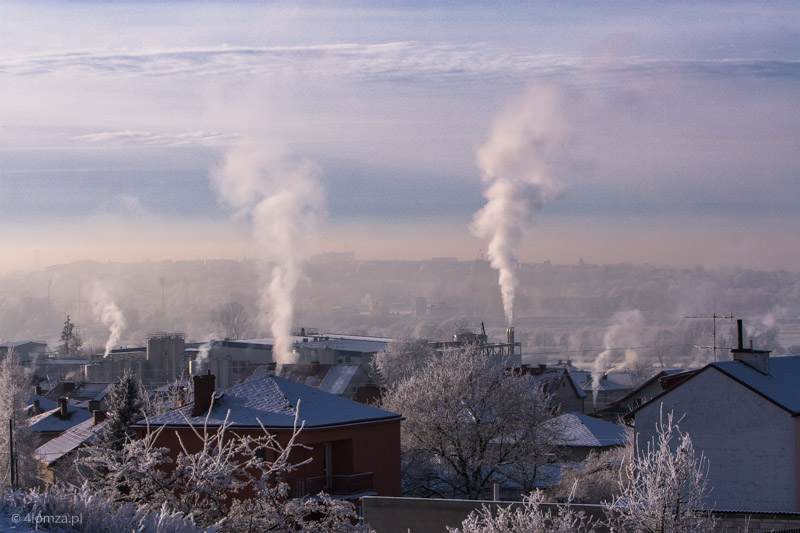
743 416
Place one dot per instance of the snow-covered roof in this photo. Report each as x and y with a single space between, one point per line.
637 391
344 343
51 421
780 386
338 378
17 344
54 449
45 404
583 377
583 430
273 402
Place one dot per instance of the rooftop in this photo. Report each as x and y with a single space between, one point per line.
273 402
53 450
51 421
583 430
779 386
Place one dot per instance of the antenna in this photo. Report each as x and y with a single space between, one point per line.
714 318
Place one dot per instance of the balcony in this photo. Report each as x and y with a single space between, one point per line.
340 485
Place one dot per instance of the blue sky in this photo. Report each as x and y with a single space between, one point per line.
683 148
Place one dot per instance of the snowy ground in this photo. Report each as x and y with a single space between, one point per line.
7 524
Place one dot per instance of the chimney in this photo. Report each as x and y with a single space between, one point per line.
98 416
62 407
203 393
740 330
37 390
36 408
510 339
756 359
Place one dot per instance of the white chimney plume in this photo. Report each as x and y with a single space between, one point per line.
284 201
517 162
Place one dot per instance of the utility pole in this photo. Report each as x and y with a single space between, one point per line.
714 318
11 459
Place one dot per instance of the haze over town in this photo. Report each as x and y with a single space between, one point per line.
674 128
393 257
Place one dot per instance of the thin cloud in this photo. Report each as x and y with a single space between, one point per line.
375 62
191 138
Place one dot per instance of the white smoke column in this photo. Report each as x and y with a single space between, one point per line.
201 360
285 202
517 163
109 314
624 334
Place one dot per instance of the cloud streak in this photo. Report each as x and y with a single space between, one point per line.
373 62
149 138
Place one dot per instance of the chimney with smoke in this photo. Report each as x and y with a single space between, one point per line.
284 201
203 393
756 359
62 408
518 167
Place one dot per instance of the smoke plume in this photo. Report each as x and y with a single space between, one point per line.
621 338
284 201
109 314
517 164
201 361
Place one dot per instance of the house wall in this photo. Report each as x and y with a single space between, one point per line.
602 399
369 447
566 397
748 441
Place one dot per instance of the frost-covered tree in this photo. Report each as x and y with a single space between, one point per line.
220 480
112 462
530 517
132 473
595 479
14 433
70 346
468 424
401 359
124 407
662 488
232 321
178 393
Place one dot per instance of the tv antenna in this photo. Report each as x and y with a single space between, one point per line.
714 318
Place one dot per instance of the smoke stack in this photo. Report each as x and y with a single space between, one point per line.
203 393
741 334
62 407
756 359
510 340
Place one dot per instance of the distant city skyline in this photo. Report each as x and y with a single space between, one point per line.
682 146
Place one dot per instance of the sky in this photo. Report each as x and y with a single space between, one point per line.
679 139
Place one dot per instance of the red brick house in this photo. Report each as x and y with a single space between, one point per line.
355 448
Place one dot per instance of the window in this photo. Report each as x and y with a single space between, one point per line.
326 465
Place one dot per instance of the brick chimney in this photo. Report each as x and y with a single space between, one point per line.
98 416
203 393
62 407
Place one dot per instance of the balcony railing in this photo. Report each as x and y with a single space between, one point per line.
340 485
